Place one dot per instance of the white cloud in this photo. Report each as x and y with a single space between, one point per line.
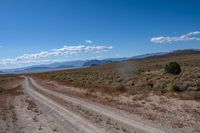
88 41
82 48
64 51
187 37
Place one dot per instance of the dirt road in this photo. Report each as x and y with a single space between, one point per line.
88 117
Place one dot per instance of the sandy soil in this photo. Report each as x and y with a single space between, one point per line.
20 114
25 119
170 113
47 107
102 117
79 124
30 119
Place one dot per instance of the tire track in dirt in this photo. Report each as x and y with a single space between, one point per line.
80 125
125 120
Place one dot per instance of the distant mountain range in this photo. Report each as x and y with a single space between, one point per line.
76 63
97 62
175 53
147 55
87 63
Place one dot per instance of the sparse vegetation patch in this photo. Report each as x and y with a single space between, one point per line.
137 76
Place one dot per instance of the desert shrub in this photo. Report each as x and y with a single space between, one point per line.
185 85
132 91
171 87
173 68
140 83
156 85
120 87
176 88
149 84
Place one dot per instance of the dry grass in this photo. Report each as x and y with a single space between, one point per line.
141 87
136 77
10 85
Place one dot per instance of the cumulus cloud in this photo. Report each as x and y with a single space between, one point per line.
187 37
81 48
64 51
88 41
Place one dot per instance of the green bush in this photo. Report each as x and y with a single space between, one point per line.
171 87
173 68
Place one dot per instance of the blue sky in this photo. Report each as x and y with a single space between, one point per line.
44 31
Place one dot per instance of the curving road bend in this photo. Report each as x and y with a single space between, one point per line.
88 117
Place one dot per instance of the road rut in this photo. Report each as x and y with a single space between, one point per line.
121 121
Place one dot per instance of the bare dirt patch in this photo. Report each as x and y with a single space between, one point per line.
19 113
170 112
